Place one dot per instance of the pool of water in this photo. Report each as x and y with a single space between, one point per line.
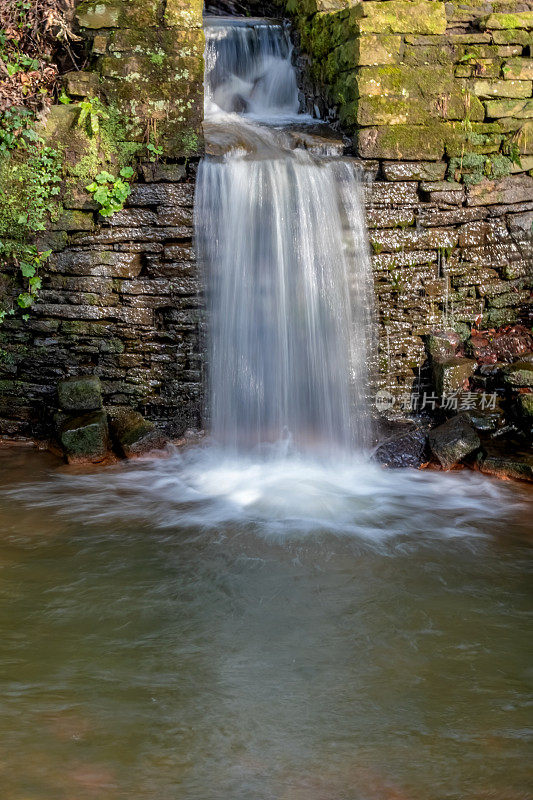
201 629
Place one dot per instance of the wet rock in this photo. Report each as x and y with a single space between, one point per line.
486 421
454 440
403 450
452 374
519 374
517 466
134 435
506 345
525 405
85 438
80 394
443 344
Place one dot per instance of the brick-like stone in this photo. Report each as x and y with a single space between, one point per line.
81 393
503 88
388 194
401 142
397 16
501 21
165 194
514 189
521 109
106 263
414 170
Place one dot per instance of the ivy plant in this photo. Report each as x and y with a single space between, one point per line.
110 192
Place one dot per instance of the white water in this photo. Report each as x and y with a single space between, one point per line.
248 69
282 241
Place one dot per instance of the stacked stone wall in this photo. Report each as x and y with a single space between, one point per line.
119 300
436 98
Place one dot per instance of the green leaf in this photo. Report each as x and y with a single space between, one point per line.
28 270
35 283
126 172
101 195
104 177
64 98
92 187
25 300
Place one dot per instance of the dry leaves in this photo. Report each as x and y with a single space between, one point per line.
33 34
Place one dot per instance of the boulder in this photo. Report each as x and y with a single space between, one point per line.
454 440
133 434
452 374
519 374
85 438
82 393
525 405
443 344
406 449
517 466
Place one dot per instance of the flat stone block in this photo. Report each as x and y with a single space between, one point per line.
83 393
85 438
521 19
414 170
401 142
521 109
396 16
514 189
504 88
454 440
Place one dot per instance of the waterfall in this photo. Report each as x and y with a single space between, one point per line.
281 238
248 68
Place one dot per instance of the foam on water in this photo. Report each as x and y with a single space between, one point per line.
290 497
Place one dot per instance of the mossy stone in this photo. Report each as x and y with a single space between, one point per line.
519 374
399 142
452 374
80 394
525 404
398 16
85 437
183 13
522 19
118 13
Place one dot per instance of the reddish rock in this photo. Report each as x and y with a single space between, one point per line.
505 344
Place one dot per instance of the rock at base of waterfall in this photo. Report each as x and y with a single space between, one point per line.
82 393
519 374
443 344
404 448
452 374
85 438
453 441
134 435
516 466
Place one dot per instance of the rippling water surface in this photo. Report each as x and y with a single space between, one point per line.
209 629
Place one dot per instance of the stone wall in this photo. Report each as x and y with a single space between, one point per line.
146 58
436 98
119 300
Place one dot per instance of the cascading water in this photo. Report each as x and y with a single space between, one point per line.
281 237
248 68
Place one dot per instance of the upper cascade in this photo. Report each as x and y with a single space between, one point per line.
248 69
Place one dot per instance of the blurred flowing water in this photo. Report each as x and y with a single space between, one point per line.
281 238
268 616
